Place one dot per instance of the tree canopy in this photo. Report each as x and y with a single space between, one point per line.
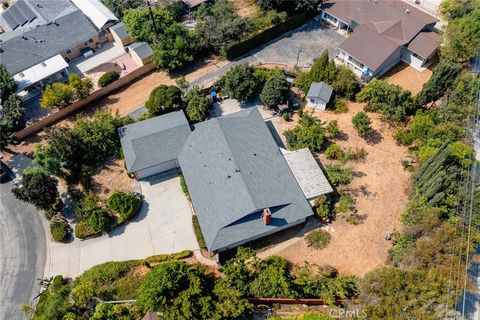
58 95
240 82
461 37
39 189
309 133
10 120
287 5
275 90
7 83
164 99
362 123
443 77
197 105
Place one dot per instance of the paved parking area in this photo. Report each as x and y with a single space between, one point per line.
163 225
311 40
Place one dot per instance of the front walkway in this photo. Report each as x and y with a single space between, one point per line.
163 225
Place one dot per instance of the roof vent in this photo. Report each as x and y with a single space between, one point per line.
55 23
24 38
407 11
44 64
267 216
39 5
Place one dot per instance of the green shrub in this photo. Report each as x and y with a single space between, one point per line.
99 220
333 129
198 232
339 175
355 219
340 106
169 257
346 203
183 184
322 205
84 230
59 230
318 239
126 205
108 77
334 151
362 123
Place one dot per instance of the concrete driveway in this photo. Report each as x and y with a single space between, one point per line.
163 225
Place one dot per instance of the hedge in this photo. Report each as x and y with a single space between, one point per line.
108 77
237 49
198 232
83 230
126 205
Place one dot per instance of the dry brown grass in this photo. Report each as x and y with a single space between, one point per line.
245 8
408 78
111 176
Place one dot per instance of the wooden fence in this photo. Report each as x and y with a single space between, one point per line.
293 301
100 93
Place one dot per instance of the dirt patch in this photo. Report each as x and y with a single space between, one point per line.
381 188
408 78
245 8
111 176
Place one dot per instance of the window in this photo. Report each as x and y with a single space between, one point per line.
417 56
356 63
330 18
312 100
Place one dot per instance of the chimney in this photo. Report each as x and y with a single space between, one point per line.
267 216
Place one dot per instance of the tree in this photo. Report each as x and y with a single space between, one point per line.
362 123
273 280
240 82
307 134
174 49
140 26
57 95
287 5
119 7
7 84
461 37
164 99
177 290
443 77
452 9
323 69
219 25
81 87
391 100
99 220
11 116
275 90
38 189
346 84
197 105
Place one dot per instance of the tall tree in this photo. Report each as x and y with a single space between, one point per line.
38 189
7 83
164 99
240 82
10 120
275 90
443 77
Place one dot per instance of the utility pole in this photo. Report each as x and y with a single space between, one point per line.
153 18
299 50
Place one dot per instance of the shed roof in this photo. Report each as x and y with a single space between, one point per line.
120 30
307 172
154 141
320 90
234 169
425 43
194 3
97 12
45 41
143 49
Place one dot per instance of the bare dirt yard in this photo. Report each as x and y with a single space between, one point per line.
245 8
111 176
380 186
408 78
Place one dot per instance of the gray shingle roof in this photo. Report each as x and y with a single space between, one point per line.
143 49
153 141
320 90
233 169
120 30
45 41
307 172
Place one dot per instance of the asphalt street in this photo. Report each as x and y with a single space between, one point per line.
22 253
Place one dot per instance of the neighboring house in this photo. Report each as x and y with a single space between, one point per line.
319 95
120 34
241 185
42 36
152 146
385 32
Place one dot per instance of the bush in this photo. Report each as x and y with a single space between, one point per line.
126 205
275 90
99 220
339 175
322 205
197 105
334 151
443 77
108 77
240 82
59 230
198 232
307 134
333 129
183 184
362 123
84 230
340 106
164 99
318 239
346 203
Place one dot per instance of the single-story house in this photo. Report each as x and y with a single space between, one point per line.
241 185
42 36
319 95
385 32
152 146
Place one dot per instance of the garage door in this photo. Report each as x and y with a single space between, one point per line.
162 167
